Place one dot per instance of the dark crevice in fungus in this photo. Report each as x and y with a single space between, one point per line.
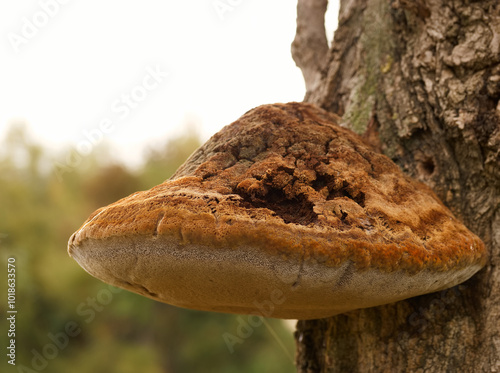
295 210
336 191
212 203
343 217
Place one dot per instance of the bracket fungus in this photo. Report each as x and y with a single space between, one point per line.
286 211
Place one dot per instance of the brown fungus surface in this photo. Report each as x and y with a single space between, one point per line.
283 202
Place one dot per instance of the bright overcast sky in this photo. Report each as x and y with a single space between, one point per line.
137 71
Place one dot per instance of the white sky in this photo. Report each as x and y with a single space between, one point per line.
67 66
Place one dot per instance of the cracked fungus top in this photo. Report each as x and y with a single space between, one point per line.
285 214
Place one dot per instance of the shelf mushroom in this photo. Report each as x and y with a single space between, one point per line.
282 213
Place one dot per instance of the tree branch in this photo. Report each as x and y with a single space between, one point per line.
310 46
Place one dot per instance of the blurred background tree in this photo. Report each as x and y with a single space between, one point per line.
120 332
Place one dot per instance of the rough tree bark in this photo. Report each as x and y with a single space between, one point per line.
420 80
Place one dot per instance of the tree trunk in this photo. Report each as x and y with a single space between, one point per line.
420 80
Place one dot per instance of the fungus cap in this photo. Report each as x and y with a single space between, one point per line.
283 213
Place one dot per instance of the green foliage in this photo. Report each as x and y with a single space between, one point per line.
118 331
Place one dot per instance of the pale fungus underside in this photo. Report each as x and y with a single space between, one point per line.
281 202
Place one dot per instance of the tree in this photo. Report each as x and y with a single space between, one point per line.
420 80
